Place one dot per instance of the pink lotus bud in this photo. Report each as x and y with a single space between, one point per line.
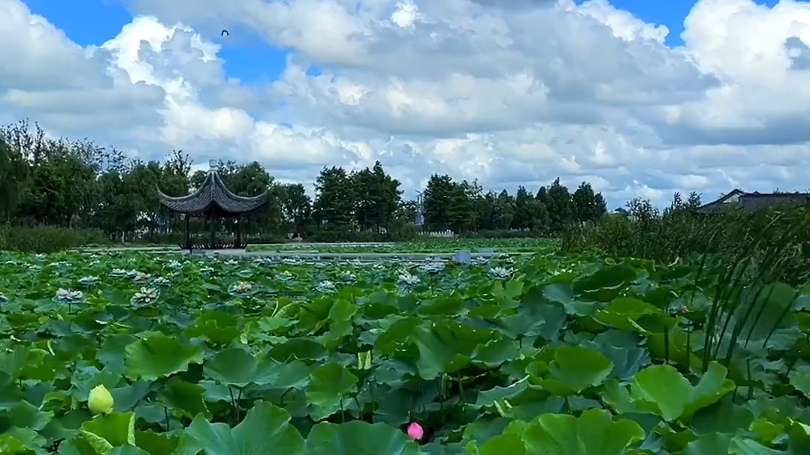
415 431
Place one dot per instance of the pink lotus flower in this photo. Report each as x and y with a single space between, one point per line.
416 431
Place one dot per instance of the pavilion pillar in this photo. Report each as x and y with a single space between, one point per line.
188 232
212 227
238 231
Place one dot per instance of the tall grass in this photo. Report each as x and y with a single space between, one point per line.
751 266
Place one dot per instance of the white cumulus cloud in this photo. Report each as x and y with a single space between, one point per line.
512 93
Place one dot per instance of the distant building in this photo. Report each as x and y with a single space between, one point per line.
754 201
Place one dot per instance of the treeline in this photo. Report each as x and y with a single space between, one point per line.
81 185
465 207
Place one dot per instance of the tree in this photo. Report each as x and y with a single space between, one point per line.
588 205
437 198
461 211
523 216
560 207
504 211
296 205
335 199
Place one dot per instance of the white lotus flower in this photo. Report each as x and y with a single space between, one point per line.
348 276
432 266
407 279
285 275
326 286
88 280
174 265
66 295
500 273
145 296
240 287
141 277
480 260
118 272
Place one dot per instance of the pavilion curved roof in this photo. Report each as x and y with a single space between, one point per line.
214 196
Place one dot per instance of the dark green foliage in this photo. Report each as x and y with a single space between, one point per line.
77 185
465 209
47 239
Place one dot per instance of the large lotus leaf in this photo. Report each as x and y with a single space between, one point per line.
519 326
298 348
496 352
606 283
624 313
445 348
157 443
744 446
108 431
574 369
722 417
13 361
265 430
627 360
216 330
128 450
663 391
328 386
358 438
11 444
159 356
799 437
185 397
673 346
238 368
30 439
26 415
502 444
708 444
593 433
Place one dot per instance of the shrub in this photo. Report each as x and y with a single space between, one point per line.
47 239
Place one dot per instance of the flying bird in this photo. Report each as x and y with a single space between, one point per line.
225 33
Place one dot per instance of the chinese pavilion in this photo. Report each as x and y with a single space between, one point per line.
213 200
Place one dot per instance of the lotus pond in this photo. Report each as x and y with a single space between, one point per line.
139 354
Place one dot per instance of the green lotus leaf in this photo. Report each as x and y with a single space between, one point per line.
328 388
358 438
265 429
159 356
664 391
594 432
573 369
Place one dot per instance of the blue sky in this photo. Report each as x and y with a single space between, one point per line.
241 54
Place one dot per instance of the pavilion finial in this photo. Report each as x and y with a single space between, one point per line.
213 165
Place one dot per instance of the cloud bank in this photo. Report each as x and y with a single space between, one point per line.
510 92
